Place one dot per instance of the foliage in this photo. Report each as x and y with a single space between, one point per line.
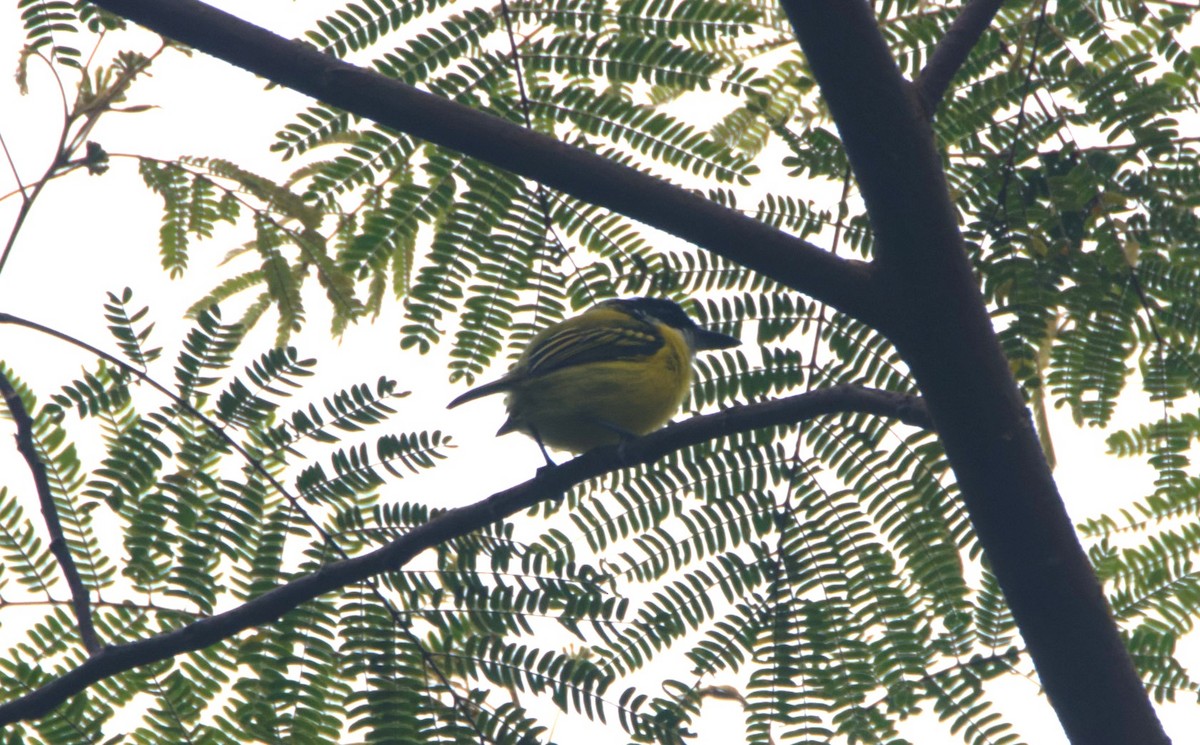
828 568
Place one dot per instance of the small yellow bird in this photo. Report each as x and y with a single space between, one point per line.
620 369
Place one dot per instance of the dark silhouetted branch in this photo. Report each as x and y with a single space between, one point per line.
58 540
550 483
842 283
952 51
942 330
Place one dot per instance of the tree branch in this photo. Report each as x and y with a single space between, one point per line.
952 51
227 439
549 483
842 283
942 330
58 541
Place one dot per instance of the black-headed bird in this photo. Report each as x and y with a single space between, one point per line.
618 370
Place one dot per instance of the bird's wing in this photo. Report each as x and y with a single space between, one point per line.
619 338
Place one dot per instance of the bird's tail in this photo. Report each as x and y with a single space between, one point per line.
480 391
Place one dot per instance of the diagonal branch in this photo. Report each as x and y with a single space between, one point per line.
58 539
952 51
842 283
549 483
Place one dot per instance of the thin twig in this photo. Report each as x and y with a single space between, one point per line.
58 540
13 167
214 427
29 197
67 144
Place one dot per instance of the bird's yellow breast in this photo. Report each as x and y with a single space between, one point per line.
580 407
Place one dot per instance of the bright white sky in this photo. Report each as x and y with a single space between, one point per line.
88 235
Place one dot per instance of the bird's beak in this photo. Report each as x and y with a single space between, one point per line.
705 339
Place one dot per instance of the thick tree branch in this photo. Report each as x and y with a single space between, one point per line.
952 51
58 539
842 283
550 483
941 327
885 132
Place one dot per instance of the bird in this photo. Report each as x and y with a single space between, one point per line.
619 370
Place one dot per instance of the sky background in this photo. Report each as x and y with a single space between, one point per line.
91 234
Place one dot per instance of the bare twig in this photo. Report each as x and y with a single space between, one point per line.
69 144
29 197
216 429
58 540
13 167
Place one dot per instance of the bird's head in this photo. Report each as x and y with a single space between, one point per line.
669 313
